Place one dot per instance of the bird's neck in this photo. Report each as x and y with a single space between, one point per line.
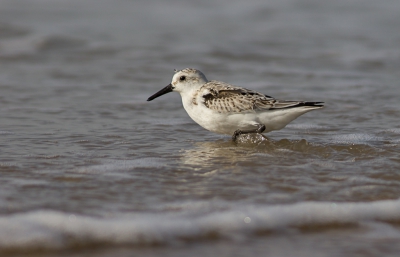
189 98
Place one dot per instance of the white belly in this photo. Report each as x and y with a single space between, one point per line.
222 123
228 123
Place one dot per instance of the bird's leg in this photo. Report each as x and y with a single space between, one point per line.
259 130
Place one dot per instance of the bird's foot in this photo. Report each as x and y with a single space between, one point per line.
258 130
236 134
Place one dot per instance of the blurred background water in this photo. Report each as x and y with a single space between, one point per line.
89 168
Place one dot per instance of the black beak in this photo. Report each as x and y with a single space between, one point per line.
163 91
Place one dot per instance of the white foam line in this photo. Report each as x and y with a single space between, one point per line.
55 230
356 138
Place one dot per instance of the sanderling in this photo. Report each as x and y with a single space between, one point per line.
227 109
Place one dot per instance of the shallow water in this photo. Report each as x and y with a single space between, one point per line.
89 168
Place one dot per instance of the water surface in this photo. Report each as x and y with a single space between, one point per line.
88 167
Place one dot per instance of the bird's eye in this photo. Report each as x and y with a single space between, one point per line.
182 78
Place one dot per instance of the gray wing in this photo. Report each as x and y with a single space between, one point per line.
225 98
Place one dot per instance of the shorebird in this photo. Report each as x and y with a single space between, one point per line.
226 109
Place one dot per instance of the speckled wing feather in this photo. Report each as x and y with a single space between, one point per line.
225 98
